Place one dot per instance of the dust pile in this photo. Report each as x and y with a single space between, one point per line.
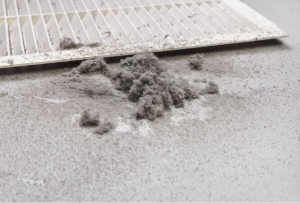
95 44
67 43
88 118
143 79
147 82
92 118
196 61
104 127
211 88
91 65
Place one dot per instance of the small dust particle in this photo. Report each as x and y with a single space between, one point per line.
104 127
87 118
196 61
67 43
211 88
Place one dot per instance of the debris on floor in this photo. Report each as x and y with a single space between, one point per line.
211 88
104 127
67 43
92 65
142 79
88 118
196 61
147 81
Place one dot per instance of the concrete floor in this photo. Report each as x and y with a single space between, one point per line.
240 145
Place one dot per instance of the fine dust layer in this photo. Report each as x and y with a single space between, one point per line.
85 86
147 81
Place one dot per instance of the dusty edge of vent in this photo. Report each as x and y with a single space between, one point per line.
30 31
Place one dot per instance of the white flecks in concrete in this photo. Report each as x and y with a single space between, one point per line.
239 86
144 128
122 127
75 119
195 110
18 97
88 135
55 101
203 113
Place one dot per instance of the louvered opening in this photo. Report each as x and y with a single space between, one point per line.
31 30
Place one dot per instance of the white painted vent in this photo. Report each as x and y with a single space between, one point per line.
30 30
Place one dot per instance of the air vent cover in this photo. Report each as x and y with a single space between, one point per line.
31 30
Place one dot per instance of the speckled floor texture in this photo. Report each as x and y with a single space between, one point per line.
240 145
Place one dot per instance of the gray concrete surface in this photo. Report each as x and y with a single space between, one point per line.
240 145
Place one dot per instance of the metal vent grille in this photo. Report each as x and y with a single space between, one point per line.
30 30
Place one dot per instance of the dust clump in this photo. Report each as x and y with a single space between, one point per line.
67 43
146 81
88 118
196 61
104 127
96 44
91 65
91 118
211 88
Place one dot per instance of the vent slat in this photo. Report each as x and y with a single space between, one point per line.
171 17
103 27
142 27
205 17
2 8
117 29
164 24
200 22
219 19
4 42
186 21
28 35
230 18
158 32
237 15
16 42
131 31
